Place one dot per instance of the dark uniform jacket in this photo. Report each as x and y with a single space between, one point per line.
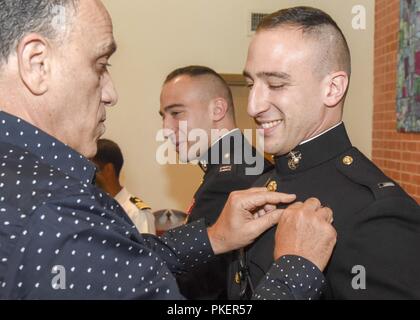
377 255
225 170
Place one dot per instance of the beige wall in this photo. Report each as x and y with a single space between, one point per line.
157 36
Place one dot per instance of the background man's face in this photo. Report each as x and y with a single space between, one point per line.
185 99
82 84
285 91
100 177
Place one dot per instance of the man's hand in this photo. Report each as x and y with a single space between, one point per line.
245 216
305 230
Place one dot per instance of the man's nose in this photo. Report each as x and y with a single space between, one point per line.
167 128
256 101
109 93
167 123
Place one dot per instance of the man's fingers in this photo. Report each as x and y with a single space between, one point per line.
256 190
260 199
312 204
326 214
269 207
266 221
259 213
295 205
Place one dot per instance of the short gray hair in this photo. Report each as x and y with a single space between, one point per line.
21 17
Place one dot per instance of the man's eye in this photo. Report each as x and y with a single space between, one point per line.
175 113
249 85
276 86
105 66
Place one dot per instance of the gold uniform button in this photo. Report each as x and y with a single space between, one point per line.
347 160
272 186
237 278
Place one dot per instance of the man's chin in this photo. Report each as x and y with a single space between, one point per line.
183 159
89 153
186 158
101 129
273 149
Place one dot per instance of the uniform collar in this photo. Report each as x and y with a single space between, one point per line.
122 196
314 152
22 134
222 150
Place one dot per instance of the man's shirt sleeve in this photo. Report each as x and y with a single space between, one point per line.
79 248
291 278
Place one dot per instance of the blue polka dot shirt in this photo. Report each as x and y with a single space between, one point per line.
62 238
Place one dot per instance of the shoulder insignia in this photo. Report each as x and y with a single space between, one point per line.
139 203
225 169
359 169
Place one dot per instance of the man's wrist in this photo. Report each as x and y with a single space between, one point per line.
217 241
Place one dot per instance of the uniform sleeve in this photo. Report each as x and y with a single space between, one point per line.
291 278
143 220
151 227
380 257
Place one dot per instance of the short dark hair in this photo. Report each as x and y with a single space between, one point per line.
193 71
109 152
199 71
312 21
21 17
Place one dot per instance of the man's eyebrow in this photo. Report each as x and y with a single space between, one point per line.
246 74
280 75
168 108
109 50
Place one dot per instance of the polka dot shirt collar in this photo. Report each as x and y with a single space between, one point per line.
20 133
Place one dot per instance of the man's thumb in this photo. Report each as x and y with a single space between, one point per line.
266 221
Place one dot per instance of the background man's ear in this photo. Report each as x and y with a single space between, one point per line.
336 88
108 169
34 63
219 108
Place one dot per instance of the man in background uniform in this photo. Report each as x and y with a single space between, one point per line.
200 97
298 69
109 161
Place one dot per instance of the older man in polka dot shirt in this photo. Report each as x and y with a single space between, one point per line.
60 236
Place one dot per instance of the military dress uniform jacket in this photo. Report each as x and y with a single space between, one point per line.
138 211
222 175
378 224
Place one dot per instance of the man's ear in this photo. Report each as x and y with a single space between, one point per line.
33 55
108 169
336 85
219 107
